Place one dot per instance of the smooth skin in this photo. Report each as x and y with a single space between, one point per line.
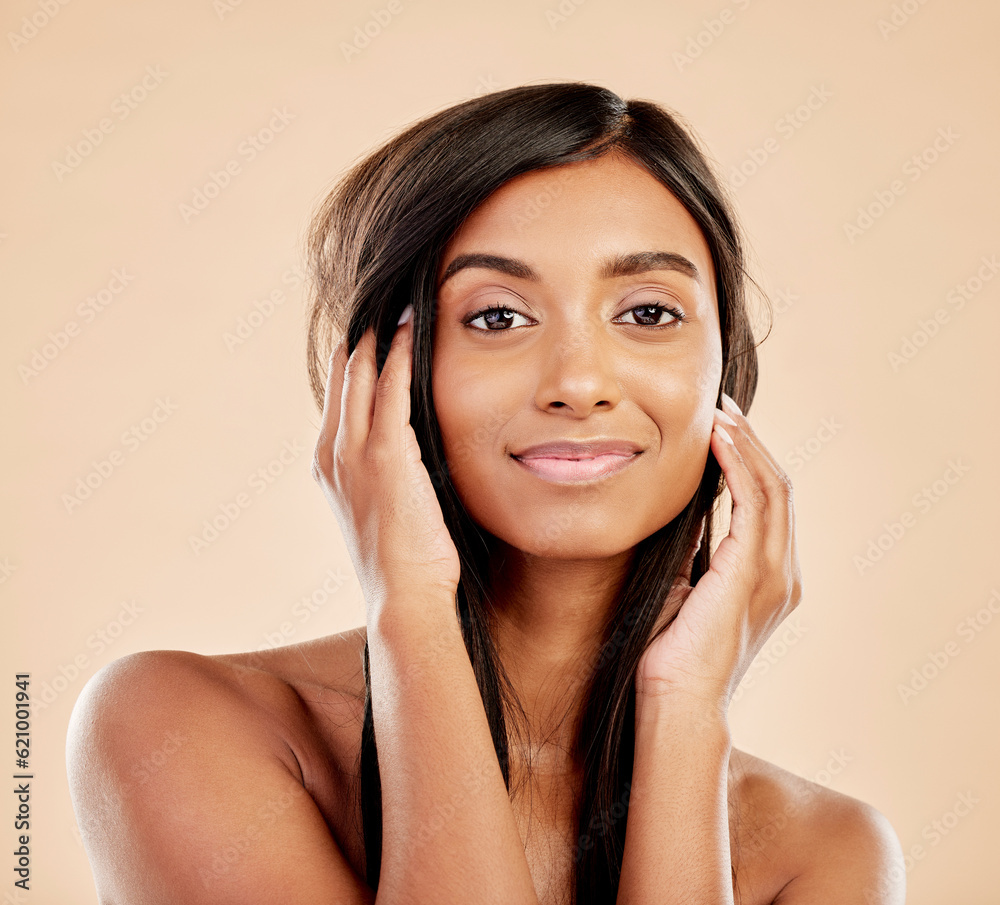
251 804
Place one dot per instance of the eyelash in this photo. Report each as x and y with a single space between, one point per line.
676 313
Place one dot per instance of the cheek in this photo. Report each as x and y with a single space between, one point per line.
685 392
470 411
685 425
684 401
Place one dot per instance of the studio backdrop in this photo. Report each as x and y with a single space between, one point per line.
161 163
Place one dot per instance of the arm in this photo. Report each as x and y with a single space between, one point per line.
185 794
449 832
677 837
678 849
677 846
856 858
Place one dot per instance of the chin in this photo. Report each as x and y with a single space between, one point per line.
572 533
572 549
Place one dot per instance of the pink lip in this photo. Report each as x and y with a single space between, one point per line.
566 470
579 449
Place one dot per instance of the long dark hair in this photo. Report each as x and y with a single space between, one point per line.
375 245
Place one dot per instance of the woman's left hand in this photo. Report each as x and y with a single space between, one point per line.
753 581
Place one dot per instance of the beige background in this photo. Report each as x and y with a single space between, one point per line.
117 573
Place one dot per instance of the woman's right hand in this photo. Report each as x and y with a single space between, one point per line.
368 463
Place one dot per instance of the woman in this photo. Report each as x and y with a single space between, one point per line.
539 359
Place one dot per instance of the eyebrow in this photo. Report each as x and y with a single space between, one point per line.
619 266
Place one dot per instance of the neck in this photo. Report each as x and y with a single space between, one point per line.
549 619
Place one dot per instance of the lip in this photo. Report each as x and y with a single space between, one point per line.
575 471
570 461
579 449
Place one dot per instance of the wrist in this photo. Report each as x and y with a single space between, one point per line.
419 641
403 615
684 711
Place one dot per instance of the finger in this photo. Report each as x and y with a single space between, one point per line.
357 399
771 493
392 394
741 481
331 406
759 458
770 478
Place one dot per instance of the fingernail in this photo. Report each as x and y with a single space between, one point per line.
729 400
722 432
406 315
724 418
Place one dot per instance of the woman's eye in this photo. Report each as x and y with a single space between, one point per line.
496 319
651 315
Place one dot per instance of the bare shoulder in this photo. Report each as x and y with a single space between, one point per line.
330 666
287 702
140 696
800 843
198 761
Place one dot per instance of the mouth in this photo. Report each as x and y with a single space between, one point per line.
577 470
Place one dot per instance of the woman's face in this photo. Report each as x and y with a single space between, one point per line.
577 258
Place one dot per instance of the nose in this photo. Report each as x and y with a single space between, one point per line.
577 371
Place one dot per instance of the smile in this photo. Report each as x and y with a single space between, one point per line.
576 471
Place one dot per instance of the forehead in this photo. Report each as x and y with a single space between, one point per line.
596 207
